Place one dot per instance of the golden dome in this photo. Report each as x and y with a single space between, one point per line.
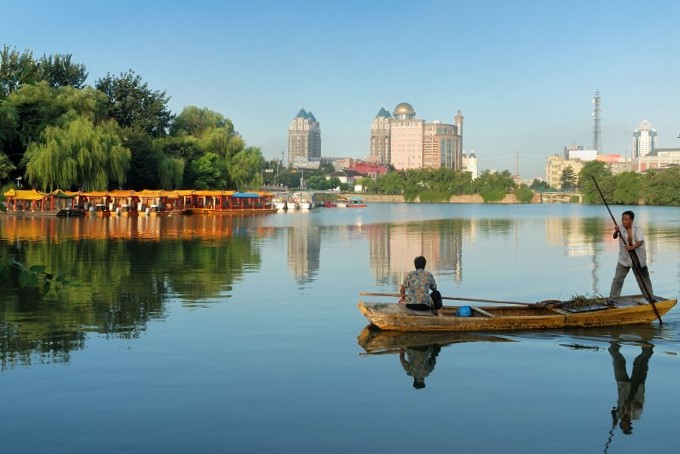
404 108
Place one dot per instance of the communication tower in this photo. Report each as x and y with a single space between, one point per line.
596 122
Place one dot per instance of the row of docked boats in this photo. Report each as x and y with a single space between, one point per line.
160 202
133 203
307 200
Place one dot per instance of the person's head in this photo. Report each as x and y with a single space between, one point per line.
420 262
627 218
418 383
626 426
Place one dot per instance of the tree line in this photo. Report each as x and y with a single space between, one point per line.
58 132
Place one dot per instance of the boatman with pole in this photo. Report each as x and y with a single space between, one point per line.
630 238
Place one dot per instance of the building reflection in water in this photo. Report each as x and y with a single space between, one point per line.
304 250
392 248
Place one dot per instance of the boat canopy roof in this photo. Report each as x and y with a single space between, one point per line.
247 195
25 194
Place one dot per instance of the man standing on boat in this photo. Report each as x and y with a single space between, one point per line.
630 239
415 290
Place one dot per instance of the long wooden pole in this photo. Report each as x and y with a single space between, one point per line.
635 260
453 298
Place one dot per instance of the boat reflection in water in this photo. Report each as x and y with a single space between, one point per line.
417 351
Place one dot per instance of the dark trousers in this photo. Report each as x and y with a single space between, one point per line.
436 301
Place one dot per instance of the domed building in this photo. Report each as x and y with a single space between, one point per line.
407 142
404 111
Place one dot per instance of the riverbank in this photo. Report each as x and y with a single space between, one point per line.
470 198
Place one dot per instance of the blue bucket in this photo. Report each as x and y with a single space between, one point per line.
464 311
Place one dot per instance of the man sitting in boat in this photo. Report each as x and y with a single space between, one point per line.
415 290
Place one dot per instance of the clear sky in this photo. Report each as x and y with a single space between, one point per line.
523 73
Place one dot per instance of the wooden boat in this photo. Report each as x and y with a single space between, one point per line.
581 313
375 341
71 213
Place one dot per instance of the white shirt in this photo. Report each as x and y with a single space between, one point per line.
624 256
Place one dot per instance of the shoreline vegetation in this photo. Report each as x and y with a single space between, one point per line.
58 132
454 199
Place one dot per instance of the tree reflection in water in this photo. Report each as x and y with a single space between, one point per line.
123 282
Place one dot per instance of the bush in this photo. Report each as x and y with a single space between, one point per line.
524 194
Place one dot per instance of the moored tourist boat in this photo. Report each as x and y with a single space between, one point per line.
304 199
355 202
580 312
227 202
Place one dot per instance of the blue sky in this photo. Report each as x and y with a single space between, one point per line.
523 73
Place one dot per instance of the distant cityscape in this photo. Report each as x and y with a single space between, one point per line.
401 141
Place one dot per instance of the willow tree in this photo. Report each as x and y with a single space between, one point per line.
79 155
6 166
244 168
171 172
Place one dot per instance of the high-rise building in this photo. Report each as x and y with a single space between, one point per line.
380 138
407 142
644 140
304 138
406 138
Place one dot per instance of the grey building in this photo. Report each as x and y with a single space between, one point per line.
380 138
304 138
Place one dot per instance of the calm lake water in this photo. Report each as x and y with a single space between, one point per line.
209 334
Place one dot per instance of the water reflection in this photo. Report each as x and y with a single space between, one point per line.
393 246
126 269
304 250
419 362
417 351
631 388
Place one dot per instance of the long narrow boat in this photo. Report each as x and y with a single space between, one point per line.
581 313
375 341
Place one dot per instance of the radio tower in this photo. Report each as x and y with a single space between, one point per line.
596 122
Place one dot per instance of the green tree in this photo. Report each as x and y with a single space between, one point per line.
540 186
493 186
207 172
6 166
59 71
390 183
16 69
245 167
171 172
30 109
568 179
78 155
133 105
524 194
326 167
194 121
145 161
662 187
601 172
627 188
